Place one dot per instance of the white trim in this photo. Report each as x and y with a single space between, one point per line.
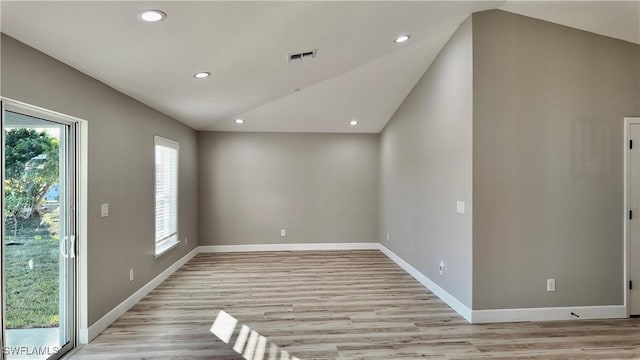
162 141
80 309
88 334
38 111
548 314
509 315
158 246
625 215
166 245
288 247
2 277
473 316
449 299
82 267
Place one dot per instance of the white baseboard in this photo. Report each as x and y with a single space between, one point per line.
88 334
473 316
288 247
548 314
509 315
449 299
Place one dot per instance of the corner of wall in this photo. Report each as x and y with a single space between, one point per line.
537 194
426 169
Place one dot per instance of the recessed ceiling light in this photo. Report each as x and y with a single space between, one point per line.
295 90
353 122
202 75
239 121
402 38
151 15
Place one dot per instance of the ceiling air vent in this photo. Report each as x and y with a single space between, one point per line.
307 55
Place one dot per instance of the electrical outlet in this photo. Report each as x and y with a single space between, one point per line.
104 210
130 275
441 268
460 207
283 232
551 285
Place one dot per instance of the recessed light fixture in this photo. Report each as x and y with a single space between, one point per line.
239 121
353 122
202 75
295 90
151 15
402 38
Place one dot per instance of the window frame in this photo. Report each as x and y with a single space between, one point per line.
163 247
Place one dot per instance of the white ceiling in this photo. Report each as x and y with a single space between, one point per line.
359 72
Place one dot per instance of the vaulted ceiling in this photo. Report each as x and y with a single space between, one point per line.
359 72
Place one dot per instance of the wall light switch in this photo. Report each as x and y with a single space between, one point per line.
551 284
387 236
130 275
283 232
460 207
104 210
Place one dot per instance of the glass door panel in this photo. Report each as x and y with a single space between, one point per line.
38 244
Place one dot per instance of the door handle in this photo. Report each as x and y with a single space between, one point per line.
62 250
71 252
72 246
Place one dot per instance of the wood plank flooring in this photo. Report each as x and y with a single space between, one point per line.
335 305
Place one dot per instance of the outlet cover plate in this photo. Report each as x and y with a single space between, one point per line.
551 285
104 210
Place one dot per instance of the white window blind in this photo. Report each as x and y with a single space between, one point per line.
166 189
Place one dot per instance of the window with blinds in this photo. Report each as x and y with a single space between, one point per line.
166 189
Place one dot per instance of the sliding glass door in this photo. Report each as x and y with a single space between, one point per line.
39 227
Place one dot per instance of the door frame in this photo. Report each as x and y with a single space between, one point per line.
628 121
80 161
2 281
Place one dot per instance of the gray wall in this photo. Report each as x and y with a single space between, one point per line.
521 119
426 167
549 103
121 168
319 187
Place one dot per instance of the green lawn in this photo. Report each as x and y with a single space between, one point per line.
32 274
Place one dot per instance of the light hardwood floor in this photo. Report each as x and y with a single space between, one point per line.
335 305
